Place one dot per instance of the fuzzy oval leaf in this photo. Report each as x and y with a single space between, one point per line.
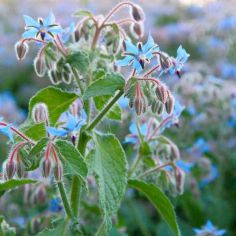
107 85
72 159
57 101
13 183
79 60
83 13
160 202
111 170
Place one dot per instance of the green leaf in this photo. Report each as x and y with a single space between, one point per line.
57 101
115 112
107 85
111 171
83 13
32 160
160 201
73 160
58 230
13 183
79 60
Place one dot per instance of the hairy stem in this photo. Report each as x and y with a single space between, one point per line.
64 199
104 111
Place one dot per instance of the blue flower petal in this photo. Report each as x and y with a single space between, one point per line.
6 130
125 61
137 66
149 44
57 132
31 33
130 48
29 21
49 20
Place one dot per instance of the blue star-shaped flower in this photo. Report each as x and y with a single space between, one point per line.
178 62
6 130
55 205
133 136
138 55
72 125
172 119
46 28
210 229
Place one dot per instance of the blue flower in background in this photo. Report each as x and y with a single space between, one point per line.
185 166
178 63
133 136
55 205
173 119
138 55
6 130
202 145
72 125
209 229
46 28
211 176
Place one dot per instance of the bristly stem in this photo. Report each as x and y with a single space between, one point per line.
104 111
155 169
64 199
19 133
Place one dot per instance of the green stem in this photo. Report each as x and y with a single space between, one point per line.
78 80
64 199
134 165
76 184
75 195
103 112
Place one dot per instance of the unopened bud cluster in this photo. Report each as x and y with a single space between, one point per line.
40 113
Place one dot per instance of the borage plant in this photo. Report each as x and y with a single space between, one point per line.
62 138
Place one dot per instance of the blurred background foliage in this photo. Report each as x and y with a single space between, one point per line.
207 132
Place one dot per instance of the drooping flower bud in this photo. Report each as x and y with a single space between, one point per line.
77 35
137 30
175 154
58 171
139 105
10 169
180 179
137 13
41 195
170 104
160 109
40 113
156 106
165 61
20 169
162 94
35 225
53 76
21 49
66 77
40 66
47 167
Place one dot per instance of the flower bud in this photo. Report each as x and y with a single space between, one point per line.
21 49
58 171
165 61
40 113
10 169
179 178
66 77
137 13
39 66
156 106
20 169
35 225
137 30
53 76
139 105
162 94
175 154
47 167
170 104
41 194
160 109
77 35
